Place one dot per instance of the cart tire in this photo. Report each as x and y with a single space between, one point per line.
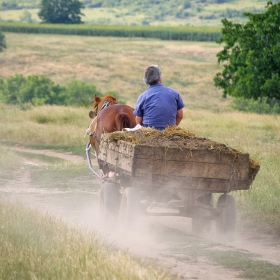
226 222
201 226
129 209
109 205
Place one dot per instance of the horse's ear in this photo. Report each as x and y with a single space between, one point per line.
96 98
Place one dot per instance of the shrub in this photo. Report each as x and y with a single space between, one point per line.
40 90
260 106
79 93
37 90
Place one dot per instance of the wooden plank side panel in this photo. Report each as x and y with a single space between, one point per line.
190 169
182 168
184 154
117 159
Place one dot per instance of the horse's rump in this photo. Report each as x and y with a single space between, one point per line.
122 121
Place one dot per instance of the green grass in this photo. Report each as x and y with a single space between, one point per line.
250 268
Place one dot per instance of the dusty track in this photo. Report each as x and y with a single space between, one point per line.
166 240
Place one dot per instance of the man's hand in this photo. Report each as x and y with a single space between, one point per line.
138 120
179 116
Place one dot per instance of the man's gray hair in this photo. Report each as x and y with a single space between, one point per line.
152 75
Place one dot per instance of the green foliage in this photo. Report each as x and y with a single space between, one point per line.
260 105
80 93
2 42
39 90
8 5
26 17
251 56
61 11
165 33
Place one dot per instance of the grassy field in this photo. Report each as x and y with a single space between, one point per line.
118 64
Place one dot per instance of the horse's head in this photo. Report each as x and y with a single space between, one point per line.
101 103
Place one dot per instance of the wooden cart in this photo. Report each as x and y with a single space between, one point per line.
177 178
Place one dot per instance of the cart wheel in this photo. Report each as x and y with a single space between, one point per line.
109 205
129 209
226 222
201 225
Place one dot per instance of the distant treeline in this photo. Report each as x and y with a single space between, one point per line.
165 33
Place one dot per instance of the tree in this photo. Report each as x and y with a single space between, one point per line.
61 11
2 42
26 17
251 56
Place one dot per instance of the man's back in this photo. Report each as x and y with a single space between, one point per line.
158 106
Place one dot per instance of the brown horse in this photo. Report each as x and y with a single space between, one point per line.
108 117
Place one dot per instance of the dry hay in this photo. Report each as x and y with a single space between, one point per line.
175 137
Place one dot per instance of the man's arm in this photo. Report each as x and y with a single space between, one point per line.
138 120
179 116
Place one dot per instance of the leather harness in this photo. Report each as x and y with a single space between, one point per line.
92 133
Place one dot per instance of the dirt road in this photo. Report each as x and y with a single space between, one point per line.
168 241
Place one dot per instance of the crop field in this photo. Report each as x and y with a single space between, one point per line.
200 13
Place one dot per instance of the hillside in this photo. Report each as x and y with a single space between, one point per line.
145 12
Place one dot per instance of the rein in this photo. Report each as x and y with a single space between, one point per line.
105 104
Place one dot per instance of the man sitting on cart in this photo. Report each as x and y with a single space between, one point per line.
159 106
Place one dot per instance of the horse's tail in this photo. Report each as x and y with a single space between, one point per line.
123 121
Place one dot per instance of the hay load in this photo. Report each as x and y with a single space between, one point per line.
176 157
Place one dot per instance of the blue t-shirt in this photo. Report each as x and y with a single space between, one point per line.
158 106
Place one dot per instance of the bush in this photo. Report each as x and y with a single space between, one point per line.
80 93
37 90
260 106
40 90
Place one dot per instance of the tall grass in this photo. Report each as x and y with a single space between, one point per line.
37 246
